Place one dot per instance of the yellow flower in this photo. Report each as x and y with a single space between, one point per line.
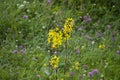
62 79
55 37
101 46
44 65
76 65
68 28
76 68
54 62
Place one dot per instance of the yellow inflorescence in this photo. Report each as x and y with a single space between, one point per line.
54 62
101 46
76 66
55 37
68 26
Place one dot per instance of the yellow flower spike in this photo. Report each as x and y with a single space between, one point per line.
54 62
67 28
55 37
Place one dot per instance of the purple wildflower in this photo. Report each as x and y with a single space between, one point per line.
22 51
89 20
85 17
21 47
90 74
118 52
77 51
25 16
48 1
85 66
15 51
71 73
95 71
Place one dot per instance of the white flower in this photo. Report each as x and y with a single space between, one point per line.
83 47
21 6
24 2
93 42
18 4
102 75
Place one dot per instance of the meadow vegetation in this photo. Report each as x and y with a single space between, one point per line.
59 40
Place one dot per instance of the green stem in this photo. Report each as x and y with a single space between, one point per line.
66 58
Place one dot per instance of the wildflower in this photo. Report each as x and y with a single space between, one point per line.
93 42
24 2
25 16
55 37
54 62
90 74
48 1
71 73
15 51
56 52
101 46
95 71
20 47
77 51
76 65
89 20
85 66
38 77
85 17
22 51
102 76
118 52
44 65
21 6
68 26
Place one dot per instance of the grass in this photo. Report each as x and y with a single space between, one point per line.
25 52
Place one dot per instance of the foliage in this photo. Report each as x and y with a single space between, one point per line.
92 47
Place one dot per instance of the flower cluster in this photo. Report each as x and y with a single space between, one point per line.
87 19
76 66
19 50
55 37
95 71
54 62
68 28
